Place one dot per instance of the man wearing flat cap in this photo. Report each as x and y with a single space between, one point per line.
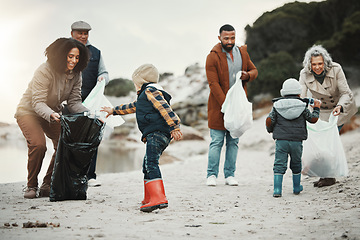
95 71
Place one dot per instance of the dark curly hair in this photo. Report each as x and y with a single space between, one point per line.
57 52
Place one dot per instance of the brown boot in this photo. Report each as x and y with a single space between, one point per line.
326 182
30 192
44 190
317 182
157 197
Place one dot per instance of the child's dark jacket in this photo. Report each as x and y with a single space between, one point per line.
153 111
148 117
287 119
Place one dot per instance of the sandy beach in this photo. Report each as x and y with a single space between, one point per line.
195 210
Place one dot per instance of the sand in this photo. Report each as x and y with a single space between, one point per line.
195 210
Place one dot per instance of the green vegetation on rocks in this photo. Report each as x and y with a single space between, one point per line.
294 28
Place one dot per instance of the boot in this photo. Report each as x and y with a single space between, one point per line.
326 182
146 194
297 188
30 192
316 183
278 178
44 190
157 198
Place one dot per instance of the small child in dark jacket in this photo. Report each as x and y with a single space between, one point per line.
158 124
287 122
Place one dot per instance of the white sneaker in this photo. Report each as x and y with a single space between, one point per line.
211 181
94 183
231 181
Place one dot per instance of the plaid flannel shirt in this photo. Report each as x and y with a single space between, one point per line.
157 99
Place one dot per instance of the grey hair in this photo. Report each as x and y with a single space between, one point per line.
314 51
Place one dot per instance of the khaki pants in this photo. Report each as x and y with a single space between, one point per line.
34 129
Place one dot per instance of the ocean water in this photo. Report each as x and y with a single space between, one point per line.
13 162
111 159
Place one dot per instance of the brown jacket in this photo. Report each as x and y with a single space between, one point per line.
217 73
334 91
48 90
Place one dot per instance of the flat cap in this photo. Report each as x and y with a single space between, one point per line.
80 25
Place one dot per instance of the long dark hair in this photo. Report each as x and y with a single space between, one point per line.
57 52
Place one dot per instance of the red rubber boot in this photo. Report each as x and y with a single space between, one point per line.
146 195
156 194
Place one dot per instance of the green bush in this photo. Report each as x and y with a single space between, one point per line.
343 45
165 75
273 71
119 87
296 26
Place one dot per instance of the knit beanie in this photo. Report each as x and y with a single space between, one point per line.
144 74
291 87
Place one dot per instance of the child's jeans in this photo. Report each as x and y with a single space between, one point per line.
283 149
156 142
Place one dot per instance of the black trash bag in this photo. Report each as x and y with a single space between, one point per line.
79 140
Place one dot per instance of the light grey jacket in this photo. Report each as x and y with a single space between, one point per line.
334 91
48 90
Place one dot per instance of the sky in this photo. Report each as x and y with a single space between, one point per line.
170 34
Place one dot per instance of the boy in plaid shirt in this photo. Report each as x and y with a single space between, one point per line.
158 124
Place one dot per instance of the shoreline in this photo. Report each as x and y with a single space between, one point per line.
195 210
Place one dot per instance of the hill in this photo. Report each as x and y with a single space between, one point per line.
278 40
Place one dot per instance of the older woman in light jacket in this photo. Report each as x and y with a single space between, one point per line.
323 79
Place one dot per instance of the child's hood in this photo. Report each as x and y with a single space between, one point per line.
290 108
155 85
158 87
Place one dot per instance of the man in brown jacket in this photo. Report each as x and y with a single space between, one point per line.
224 61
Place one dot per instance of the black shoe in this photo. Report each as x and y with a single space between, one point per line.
326 182
317 182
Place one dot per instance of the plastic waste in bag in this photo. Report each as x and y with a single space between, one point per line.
323 152
237 109
79 139
94 101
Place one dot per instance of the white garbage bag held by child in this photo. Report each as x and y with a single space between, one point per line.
237 109
323 154
94 101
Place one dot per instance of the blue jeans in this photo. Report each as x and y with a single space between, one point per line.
340 127
216 144
156 142
283 148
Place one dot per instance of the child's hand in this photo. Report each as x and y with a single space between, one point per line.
177 135
109 110
317 103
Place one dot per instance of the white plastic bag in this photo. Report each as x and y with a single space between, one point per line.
323 152
95 100
237 109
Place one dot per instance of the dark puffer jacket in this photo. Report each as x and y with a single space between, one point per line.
148 118
287 120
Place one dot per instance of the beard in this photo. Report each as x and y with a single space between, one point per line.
227 47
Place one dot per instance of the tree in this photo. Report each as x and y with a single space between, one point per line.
273 71
119 87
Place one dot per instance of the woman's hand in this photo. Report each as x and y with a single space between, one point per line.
109 111
337 110
55 117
